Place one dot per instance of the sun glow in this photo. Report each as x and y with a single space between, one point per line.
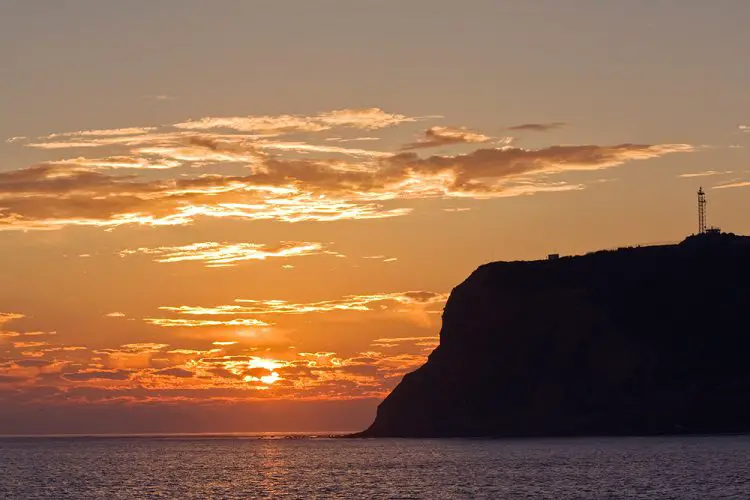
267 364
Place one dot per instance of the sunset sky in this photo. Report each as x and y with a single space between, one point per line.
247 215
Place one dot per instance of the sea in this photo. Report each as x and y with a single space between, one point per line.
324 466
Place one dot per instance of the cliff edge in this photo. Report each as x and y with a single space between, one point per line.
644 340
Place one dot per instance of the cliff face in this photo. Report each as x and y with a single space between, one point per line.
635 341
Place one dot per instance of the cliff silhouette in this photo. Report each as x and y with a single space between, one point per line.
635 341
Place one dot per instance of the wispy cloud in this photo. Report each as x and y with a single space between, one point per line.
150 372
707 173
140 347
367 119
197 323
87 375
382 258
364 118
6 317
302 147
175 372
353 139
445 136
356 303
537 127
102 133
28 344
215 254
737 184
115 162
397 341
152 176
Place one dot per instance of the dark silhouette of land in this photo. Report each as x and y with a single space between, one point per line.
635 341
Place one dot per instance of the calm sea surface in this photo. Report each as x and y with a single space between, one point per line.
254 467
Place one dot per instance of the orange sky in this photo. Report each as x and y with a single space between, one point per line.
246 253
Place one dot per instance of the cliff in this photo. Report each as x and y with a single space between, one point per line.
644 340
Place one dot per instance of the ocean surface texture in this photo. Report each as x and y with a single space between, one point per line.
264 467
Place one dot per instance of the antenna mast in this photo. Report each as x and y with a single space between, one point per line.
701 211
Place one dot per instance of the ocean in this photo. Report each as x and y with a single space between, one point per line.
276 466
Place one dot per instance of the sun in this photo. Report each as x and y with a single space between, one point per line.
269 364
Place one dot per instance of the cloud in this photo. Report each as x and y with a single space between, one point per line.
191 323
353 139
32 363
302 147
445 136
363 118
175 372
64 348
357 303
215 254
485 172
120 162
707 173
7 317
737 184
268 125
26 345
85 376
537 127
398 341
202 376
154 177
115 315
142 347
139 144
102 133
366 119
382 258
54 196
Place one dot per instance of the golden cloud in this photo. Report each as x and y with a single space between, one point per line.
120 162
129 373
707 173
737 184
368 118
356 303
273 181
445 136
103 133
197 323
398 341
215 254
6 317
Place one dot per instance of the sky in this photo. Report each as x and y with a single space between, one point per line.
247 215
